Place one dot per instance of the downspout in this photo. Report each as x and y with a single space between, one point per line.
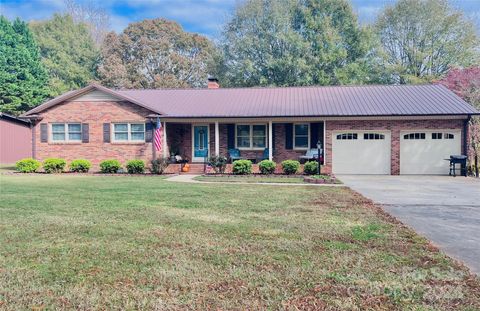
465 134
465 141
34 145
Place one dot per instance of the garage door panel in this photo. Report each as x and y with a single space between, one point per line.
361 156
427 156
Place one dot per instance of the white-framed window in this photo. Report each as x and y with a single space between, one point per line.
301 136
347 136
448 136
128 132
414 136
373 136
251 136
66 132
443 136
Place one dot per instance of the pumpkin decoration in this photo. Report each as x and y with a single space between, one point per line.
186 167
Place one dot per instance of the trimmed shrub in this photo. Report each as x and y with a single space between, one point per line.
159 165
80 166
290 167
218 163
310 168
28 165
54 165
267 167
136 167
242 167
110 166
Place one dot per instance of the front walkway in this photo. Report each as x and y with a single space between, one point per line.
444 209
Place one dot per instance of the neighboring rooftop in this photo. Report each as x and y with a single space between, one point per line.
376 100
14 119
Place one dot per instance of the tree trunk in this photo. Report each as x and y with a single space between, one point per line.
476 166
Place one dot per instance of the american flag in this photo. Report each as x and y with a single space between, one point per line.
157 137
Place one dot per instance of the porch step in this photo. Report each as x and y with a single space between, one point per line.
195 169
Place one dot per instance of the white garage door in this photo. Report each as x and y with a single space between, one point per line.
361 152
424 152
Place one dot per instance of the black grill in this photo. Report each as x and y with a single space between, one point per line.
458 159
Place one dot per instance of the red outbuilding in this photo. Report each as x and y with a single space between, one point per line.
15 139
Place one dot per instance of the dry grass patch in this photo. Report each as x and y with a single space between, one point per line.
89 242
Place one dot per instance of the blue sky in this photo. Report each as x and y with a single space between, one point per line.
202 16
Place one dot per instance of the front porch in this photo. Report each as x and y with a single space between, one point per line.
196 140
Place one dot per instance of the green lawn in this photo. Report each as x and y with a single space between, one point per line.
89 242
7 168
252 179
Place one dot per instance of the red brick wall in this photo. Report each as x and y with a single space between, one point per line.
95 114
179 135
395 126
179 138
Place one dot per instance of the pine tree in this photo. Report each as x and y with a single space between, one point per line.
23 80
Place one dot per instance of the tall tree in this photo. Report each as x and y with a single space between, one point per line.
466 84
422 39
155 53
93 15
23 80
295 42
68 52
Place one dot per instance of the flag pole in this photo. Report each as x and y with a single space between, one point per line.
154 150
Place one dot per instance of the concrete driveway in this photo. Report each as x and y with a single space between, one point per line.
444 209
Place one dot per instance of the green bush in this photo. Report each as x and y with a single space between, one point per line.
218 163
80 166
136 167
110 166
54 165
27 165
290 166
159 165
242 167
310 168
267 167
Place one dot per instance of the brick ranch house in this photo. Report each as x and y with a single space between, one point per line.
403 129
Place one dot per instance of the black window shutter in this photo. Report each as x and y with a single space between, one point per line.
314 134
44 132
85 133
273 136
148 132
288 136
230 136
106 132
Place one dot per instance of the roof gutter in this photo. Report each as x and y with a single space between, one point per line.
18 120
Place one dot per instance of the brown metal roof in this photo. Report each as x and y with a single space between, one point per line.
384 100
304 101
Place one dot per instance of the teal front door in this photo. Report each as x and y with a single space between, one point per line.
200 143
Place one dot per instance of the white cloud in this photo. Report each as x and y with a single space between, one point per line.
202 16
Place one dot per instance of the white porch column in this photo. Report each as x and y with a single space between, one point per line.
270 141
164 142
217 140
